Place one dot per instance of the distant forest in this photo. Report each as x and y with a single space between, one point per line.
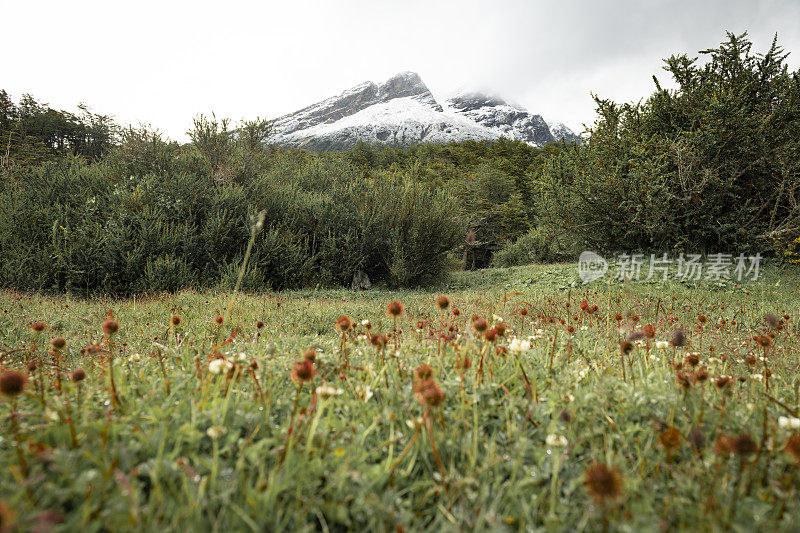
711 166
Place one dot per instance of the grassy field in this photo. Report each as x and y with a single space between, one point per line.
576 418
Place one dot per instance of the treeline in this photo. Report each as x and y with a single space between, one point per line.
711 166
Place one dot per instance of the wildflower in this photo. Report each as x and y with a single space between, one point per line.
135 358
443 302
558 441
480 324
428 393
649 331
414 423
491 335
12 382
326 391
38 327
303 371
424 372
793 447
216 432
744 445
523 311
518 346
583 328
77 375
670 439
603 483
662 345
723 382
365 323
344 323
702 319
497 318
625 347
571 329
789 422
501 328
219 320
456 312
175 321
764 341
241 357
394 309
678 338
724 446
364 392
692 359
310 355
217 366
618 317
110 326
58 343
259 324
700 375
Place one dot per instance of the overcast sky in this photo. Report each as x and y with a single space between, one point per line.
162 62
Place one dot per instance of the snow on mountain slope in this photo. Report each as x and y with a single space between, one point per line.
403 111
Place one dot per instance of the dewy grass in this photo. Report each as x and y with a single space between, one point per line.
328 410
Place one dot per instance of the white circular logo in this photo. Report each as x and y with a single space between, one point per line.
591 266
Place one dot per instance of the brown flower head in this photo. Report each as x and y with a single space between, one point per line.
394 309
625 347
38 327
456 312
424 372
678 338
58 343
443 302
480 324
602 482
12 382
310 355
723 382
744 445
110 326
523 311
428 393
501 328
670 439
303 371
77 375
175 321
649 331
491 335
344 323
793 447
219 320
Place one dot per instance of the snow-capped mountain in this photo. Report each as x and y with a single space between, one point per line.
403 111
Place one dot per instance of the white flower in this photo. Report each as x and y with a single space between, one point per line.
497 318
584 328
326 391
570 398
789 422
218 365
135 358
518 346
662 345
758 377
364 392
414 423
365 322
241 357
556 440
216 432
639 343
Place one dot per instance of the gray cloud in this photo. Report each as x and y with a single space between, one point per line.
164 62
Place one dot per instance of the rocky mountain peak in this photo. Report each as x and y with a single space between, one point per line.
402 111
